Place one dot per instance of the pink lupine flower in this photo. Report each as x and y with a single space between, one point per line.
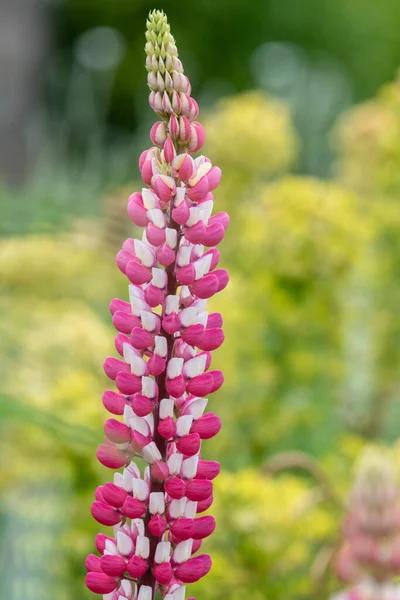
369 557
370 590
165 337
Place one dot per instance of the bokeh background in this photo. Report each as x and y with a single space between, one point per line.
301 105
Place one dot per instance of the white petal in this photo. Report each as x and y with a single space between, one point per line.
189 466
195 366
118 480
138 366
179 593
174 367
110 547
126 587
140 425
124 543
167 408
198 250
137 306
145 593
149 199
174 463
157 503
196 407
171 237
142 546
128 352
199 160
183 551
135 292
157 217
133 469
149 320
183 256
194 216
161 346
177 508
206 209
127 479
183 425
128 413
180 195
149 387
188 316
160 278
202 265
185 295
190 509
144 254
140 489
163 551
171 304
202 170
200 304
150 420
151 453
202 318
137 527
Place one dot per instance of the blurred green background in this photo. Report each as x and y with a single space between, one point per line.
302 111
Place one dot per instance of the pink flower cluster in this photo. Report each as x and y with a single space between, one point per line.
369 557
165 341
370 590
371 529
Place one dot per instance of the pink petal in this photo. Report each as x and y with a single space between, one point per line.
128 383
110 457
114 495
155 235
105 514
117 432
142 406
112 366
207 426
138 273
214 234
114 403
113 565
205 287
175 488
100 583
181 213
198 489
133 508
92 563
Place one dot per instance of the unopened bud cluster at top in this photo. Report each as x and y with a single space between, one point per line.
170 89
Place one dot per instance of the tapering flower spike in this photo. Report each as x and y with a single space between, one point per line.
369 557
165 339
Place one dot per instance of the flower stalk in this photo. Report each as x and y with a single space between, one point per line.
165 339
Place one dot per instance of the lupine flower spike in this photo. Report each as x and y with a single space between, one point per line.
369 558
165 339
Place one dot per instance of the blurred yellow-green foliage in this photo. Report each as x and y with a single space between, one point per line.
251 132
311 357
368 138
